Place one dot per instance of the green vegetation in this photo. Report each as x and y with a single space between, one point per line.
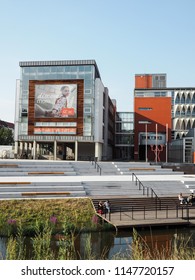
78 214
6 136
178 249
59 221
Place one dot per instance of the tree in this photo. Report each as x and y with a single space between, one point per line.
6 136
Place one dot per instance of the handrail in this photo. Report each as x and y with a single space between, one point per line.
96 165
169 213
131 212
148 190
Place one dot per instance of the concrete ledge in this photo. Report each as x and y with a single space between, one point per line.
45 173
44 193
142 169
15 183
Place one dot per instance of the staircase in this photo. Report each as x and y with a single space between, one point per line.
122 204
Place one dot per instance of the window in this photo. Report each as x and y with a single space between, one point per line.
87 110
145 108
24 112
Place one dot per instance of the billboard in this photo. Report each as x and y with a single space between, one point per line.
55 100
54 130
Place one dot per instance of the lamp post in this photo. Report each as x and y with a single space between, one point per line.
166 142
146 142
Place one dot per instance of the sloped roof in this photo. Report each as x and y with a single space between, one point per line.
6 124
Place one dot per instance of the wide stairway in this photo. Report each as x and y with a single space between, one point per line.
38 179
139 203
41 178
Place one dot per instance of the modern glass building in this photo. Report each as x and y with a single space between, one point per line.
61 111
124 143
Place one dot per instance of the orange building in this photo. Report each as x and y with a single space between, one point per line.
143 81
152 108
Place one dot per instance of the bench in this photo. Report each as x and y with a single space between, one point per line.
8 165
44 193
45 173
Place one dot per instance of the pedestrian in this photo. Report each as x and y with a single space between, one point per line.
107 206
100 207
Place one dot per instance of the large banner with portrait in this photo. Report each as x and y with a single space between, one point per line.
55 100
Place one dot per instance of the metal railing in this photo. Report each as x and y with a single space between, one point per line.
142 214
148 191
96 165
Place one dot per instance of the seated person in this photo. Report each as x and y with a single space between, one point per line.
190 199
182 199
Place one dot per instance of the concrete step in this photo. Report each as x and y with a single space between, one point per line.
40 184
94 188
38 173
57 194
40 188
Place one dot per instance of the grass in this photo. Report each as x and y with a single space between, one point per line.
78 213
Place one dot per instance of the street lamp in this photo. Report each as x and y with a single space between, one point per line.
167 141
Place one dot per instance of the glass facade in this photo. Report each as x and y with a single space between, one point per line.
65 72
124 140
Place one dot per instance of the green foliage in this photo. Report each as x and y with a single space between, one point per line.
77 213
15 247
6 136
43 250
42 242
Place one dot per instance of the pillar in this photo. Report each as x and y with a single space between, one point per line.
98 151
21 148
16 149
34 150
55 150
76 151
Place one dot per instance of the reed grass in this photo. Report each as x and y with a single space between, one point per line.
179 249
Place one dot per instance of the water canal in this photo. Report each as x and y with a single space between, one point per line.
109 244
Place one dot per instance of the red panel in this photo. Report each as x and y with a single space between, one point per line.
143 81
156 110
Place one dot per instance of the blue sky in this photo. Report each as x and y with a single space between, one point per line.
125 37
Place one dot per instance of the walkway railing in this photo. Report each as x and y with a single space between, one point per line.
144 214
